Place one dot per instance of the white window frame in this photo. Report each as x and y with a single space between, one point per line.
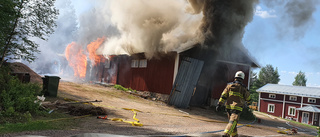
272 95
294 112
143 63
269 106
134 63
312 100
293 98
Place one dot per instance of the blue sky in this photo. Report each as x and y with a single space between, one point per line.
286 51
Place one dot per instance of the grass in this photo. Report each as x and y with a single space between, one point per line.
295 122
29 126
298 123
53 121
119 87
57 120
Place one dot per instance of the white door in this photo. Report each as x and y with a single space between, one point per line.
305 117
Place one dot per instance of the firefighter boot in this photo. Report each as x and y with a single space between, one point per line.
231 128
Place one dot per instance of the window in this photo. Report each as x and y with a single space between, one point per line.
134 63
292 111
315 116
311 100
293 98
271 108
143 63
272 95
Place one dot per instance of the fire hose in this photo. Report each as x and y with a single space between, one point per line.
133 123
137 122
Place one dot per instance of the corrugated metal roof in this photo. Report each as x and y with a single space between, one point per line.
309 108
291 90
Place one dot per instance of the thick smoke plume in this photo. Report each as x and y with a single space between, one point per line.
152 27
155 26
295 16
224 22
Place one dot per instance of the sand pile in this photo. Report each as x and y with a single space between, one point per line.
18 67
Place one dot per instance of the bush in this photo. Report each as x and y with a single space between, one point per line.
16 98
119 87
247 114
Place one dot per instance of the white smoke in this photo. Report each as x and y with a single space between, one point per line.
51 58
152 27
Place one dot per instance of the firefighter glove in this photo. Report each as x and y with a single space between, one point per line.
218 108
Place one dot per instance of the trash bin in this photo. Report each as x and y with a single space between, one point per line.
50 85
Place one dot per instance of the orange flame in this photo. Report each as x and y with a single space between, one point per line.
77 60
92 48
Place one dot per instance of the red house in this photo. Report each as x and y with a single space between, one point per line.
291 102
182 79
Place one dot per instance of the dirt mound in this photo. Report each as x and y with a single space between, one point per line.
83 109
74 108
18 67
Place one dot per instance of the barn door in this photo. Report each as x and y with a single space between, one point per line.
185 83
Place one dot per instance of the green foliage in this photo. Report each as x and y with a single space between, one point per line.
267 75
253 87
119 87
300 79
247 114
44 121
22 20
135 91
16 98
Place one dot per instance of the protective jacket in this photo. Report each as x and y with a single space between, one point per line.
235 95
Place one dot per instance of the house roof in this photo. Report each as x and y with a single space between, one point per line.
309 108
234 54
291 90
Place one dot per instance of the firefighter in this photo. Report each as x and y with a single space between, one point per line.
234 96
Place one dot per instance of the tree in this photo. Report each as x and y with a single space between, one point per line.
267 75
300 79
254 85
22 21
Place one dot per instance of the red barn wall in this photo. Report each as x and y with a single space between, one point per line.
278 107
300 116
298 99
305 101
286 111
156 77
278 96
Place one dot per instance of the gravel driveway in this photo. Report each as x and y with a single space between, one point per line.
157 117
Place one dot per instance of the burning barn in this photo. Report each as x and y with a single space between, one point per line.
183 79
188 56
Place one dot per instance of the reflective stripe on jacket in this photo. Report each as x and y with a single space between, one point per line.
235 95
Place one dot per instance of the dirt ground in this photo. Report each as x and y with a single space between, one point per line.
158 118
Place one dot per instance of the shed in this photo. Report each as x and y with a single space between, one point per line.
291 102
183 79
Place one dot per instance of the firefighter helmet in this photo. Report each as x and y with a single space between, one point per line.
239 74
